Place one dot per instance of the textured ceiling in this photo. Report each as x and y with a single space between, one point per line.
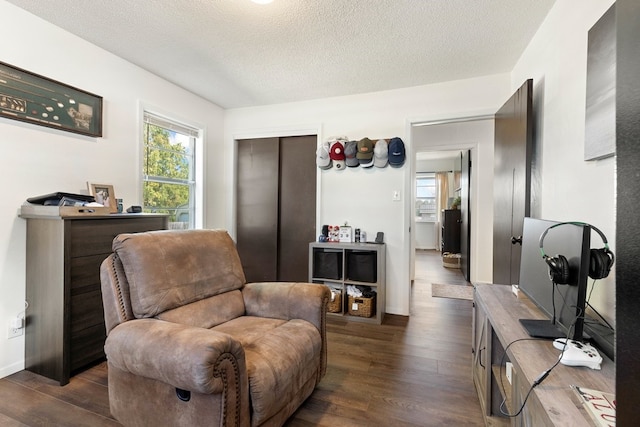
236 53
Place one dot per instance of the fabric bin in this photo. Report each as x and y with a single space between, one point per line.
362 266
327 264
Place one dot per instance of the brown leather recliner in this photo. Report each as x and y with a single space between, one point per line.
191 344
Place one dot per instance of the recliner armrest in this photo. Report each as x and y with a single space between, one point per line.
187 357
287 300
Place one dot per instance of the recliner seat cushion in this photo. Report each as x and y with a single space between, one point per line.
281 357
197 264
208 312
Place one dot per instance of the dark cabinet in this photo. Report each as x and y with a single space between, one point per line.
451 231
65 319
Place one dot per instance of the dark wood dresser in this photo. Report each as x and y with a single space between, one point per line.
65 319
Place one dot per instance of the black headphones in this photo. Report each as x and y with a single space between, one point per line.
600 260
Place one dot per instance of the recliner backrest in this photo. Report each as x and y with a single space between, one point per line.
172 268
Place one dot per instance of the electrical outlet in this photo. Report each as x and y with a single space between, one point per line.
13 331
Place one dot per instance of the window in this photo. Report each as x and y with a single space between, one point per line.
426 194
169 173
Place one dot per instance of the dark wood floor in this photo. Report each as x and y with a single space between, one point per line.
413 371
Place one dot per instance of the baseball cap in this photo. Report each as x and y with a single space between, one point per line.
336 153
396 152
322 156
380 154
350 150
365 150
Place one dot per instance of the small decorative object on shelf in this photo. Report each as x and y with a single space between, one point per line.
456 203
345 234
601 406
334 233
105 195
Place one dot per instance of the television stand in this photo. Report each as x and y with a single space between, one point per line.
496 325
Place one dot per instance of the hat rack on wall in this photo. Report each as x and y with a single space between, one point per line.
340 153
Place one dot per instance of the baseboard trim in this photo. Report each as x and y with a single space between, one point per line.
5 371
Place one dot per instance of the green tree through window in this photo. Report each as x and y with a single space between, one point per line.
168 172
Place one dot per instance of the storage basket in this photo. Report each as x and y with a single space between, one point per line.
451 260
335 304
361 306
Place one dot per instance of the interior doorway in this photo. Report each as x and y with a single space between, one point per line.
439 227
447 138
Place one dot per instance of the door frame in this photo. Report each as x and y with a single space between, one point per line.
409 218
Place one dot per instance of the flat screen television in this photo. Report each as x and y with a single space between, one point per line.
563 304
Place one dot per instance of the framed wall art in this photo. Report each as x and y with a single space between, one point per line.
32 98
600 117
105 195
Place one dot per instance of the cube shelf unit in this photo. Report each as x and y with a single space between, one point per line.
339 265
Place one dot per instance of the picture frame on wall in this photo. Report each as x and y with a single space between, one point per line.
600 114
32 98
105 195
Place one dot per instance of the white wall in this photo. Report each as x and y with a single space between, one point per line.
572 189
363 197
37 160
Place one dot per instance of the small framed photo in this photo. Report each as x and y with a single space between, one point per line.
105 195
345 235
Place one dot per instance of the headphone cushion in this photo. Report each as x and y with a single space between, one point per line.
558 269
599 263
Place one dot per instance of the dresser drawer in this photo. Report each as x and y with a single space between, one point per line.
87 346
86 310
84 273
95 236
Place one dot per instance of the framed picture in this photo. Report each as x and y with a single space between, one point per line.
600 115
32 98
105 195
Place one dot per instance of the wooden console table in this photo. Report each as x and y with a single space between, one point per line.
553 402
65 319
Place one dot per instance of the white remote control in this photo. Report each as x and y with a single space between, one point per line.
578 354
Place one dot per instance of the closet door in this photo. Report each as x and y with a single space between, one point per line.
257 208
297 207
276 207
